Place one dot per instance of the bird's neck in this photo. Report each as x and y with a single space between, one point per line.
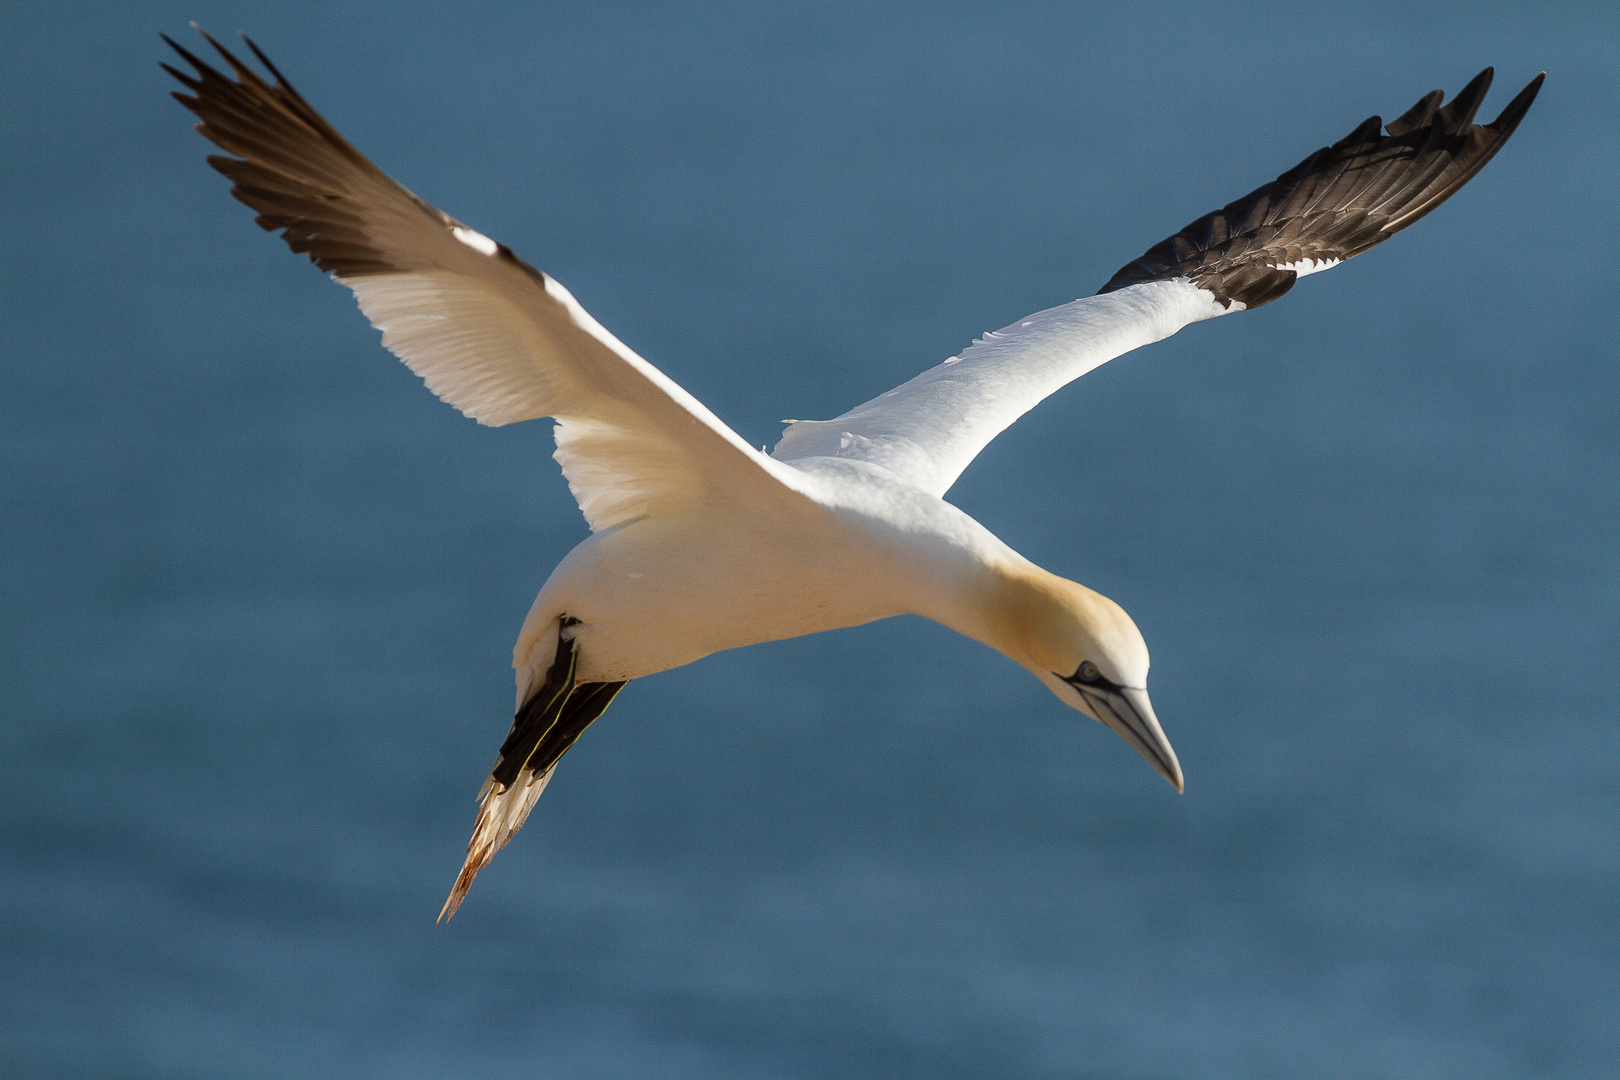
1002 600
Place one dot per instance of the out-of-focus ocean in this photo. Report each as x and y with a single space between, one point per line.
260 588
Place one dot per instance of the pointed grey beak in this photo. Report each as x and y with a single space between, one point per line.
1128 711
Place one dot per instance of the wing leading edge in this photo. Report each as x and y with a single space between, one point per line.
1337 203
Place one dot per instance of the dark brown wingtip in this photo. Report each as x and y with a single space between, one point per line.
206 70
1515 110
244 74
1460 113
1338 202
186 54
194 82
265 60
1417 116
1487 139
1365 132
206 36
185 80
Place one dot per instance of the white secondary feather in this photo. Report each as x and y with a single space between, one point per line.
928 430
1307 267
504 343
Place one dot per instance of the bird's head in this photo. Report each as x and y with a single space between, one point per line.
1090 654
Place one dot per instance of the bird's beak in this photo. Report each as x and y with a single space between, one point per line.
1128 711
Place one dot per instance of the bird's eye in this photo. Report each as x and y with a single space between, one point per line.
1088 672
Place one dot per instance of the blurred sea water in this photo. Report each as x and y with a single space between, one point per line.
260 588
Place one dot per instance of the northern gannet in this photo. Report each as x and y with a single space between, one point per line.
699 542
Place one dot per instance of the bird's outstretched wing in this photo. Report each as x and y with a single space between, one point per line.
1338 202
487 333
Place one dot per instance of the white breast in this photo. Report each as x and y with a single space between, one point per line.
659 593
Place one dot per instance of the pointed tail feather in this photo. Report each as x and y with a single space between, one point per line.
547 724
502 814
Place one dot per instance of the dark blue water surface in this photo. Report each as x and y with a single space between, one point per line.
260 588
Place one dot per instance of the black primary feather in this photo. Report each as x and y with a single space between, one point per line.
291 166
1338 202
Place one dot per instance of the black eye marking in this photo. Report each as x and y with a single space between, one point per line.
1089 676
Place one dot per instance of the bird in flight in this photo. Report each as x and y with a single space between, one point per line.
699 542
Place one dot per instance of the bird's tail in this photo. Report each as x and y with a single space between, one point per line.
546 725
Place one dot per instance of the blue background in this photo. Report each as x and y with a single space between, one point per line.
259 588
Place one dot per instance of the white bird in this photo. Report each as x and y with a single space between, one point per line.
699 542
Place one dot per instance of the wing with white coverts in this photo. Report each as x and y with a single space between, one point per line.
1337 203
487 333
927 431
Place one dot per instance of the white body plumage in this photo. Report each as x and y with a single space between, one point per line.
855 528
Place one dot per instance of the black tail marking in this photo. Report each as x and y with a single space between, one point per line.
553 717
